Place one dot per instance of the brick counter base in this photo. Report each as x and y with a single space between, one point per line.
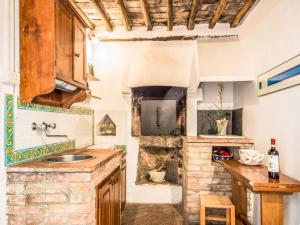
202 176
55 198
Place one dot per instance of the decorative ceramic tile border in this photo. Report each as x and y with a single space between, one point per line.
12 156
37 152
122 147
45 108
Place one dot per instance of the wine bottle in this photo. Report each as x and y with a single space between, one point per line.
273 161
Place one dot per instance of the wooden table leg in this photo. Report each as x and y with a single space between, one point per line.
271 205
228 216
202 215
232 212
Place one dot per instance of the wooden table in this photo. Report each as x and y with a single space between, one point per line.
271 191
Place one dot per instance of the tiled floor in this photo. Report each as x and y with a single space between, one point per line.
152 214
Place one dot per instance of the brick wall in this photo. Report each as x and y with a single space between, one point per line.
203 176
56 197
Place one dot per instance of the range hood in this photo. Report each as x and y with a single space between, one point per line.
64 86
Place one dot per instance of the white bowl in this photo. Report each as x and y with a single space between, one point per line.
249 156
157 176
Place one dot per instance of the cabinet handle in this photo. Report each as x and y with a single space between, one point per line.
77 55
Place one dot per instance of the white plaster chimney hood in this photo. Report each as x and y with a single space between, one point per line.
158 63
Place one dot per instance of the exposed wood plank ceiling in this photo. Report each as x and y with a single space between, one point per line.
169 13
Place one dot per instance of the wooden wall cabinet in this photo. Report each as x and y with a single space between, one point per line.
109 200
52 46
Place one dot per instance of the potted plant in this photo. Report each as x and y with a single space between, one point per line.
221 120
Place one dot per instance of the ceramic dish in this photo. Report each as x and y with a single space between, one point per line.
157 176
250 156
249 164
217 157
158 181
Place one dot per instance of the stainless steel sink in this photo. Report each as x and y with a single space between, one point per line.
68 158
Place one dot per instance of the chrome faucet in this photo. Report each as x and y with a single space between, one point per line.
45 127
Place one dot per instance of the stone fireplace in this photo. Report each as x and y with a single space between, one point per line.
159 120
162 153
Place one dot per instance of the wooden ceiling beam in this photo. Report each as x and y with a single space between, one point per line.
195 8
125 18
218 12
97 4
146 14
170 15
239 16
169 38
85 19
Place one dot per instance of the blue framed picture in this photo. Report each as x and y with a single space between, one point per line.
283 76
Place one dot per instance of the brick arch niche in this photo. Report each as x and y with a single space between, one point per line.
106 127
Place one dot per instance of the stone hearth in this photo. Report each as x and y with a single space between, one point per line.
164 152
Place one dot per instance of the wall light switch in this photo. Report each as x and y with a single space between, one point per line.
10 78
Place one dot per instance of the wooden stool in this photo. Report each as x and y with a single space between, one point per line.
217 202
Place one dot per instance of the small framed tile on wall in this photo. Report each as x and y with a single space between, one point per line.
280 77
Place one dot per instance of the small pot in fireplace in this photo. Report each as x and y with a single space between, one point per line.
157 176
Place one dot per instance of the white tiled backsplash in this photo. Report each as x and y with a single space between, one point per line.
77 127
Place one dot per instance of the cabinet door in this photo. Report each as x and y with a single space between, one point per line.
116 188
64 42
105 204
239 199
79 53
123 185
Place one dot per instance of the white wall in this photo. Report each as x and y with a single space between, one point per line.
270 36
210 96
219 58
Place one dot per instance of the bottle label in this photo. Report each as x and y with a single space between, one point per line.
273 165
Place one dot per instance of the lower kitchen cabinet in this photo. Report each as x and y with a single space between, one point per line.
109 200
239 199
123 184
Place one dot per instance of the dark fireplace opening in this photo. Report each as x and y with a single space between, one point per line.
158 117
158 111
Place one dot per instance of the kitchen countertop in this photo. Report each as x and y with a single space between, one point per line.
90 165
257 180
217 139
